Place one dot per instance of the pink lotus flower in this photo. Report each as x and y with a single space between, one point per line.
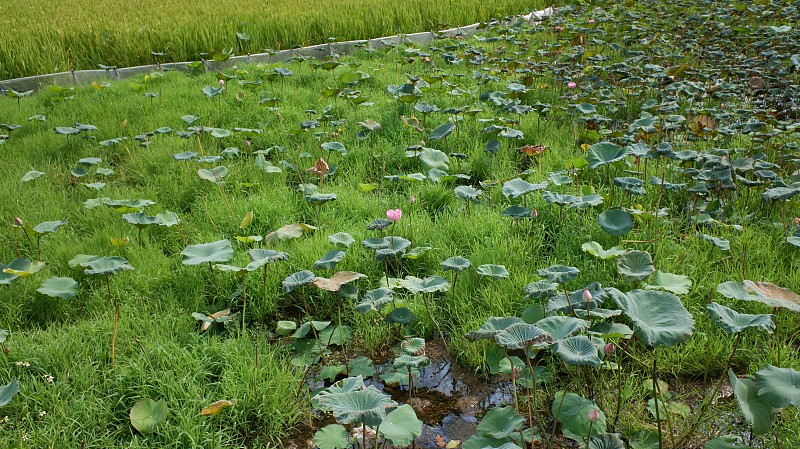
594 415
18 222
221 83
591 21
394 214
609 348
572 84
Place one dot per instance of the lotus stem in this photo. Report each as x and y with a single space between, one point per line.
589 435
513 382
658 419
244 305
114 337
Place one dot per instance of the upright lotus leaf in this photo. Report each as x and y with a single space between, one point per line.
332 436
335 146
329 260
518 187
401 315
558 273
401 426
560 327
139 219
468 193
31 175
606 441
379 224
493 326
500 422
107 266
8 391
341 240
659 318
492 271
603 153
59 287
734 322
597 250
167 219
375 300
756 411
573 413
578 350
337 280
266 255
722 244
540 289
763 292
521 335
778 387
46 227
576 301
634 186
305 328
296 280
288 232
147 415
430 284
616 222
393 246
18 268
214 175
674 283
364 406
442 131
218 251
413 346
517 212
413 361
635 266
318 199
456 263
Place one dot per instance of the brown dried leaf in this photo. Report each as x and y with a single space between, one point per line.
214 316
775 293
337 280
215 408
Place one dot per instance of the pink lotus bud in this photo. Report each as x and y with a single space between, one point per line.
534 213
591 21
558 29
572 84
394 214
412 200
221 83
594 415
609 348
587 296
18 222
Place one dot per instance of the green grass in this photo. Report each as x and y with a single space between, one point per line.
80 34
87 403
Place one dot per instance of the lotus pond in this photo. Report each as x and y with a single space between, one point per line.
574 233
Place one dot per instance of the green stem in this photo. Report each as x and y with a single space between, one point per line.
658 419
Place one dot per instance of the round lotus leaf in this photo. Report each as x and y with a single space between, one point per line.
430 284
367 406
578 350
500 422
329 260
59 287
401 315
603 153
319 199
516 212
635 266
659 318
106 266
558 273
296 280
539 290
616 222
492 271
521 335
139 219
467 193
218 251
401 426
332 436
493 326
634 186
413 346
214 175
732 321
560 327
147 415
341 239
573 413
456 263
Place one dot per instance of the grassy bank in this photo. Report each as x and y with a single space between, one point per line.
37 37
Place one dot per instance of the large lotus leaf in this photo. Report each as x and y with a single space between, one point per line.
763 292
401 315
616 222
456 263
336 335
573 412
584 202
606 441
597 250
296 280
59 287
335 282
578 350
393 246
318 199
733 322
47 227
499 422
442 131
660 319
167 219
413 346
106 266
8 391
611 330
725 442
341 239
479 442
560 327
367 406
414 361
541 289
492 271
518 187
430 284
756 411
401 426
31 175
644 439
558 273
332 436
778 387
379 224
724 245
214 175
234 268
467 193
375 300
603 153
635 266
780 193
218 251
434 159
493 326
634 186
147 414
329 260
139 219
674 283
18 268
521 335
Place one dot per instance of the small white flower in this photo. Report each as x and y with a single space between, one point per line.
42 413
